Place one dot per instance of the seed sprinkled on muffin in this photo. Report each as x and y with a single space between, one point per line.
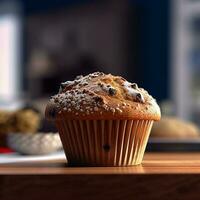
99 92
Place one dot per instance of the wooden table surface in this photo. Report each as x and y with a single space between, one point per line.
153 163
161 175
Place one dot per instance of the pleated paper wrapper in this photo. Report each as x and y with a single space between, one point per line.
104 142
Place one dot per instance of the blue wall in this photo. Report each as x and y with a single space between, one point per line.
152 45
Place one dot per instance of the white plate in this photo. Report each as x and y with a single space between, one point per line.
34 144
18 158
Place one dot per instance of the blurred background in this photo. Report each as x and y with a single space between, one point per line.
154 43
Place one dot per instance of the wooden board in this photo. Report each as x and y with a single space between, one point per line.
161 176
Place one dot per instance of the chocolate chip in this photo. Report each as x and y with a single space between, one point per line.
106 147
98 99
139 97
134 86
112 91
56 99
100 84
84 84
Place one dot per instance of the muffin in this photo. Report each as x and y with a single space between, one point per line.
27 121
103 120
23 121
174 128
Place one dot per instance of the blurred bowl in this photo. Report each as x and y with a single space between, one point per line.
34 144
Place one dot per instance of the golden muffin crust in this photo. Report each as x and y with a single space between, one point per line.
102 96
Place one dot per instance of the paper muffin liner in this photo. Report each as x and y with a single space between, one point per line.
104 142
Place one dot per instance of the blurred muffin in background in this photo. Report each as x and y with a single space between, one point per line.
172 127
7 121
23 121
6 126
27 121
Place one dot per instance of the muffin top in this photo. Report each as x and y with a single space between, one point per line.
102 96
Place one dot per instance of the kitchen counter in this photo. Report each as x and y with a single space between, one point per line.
161 176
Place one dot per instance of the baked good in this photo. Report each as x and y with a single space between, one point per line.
103 120
23 121
7 121
27 121
172 127
6 125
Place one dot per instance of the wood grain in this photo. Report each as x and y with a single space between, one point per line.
161 176
161 163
